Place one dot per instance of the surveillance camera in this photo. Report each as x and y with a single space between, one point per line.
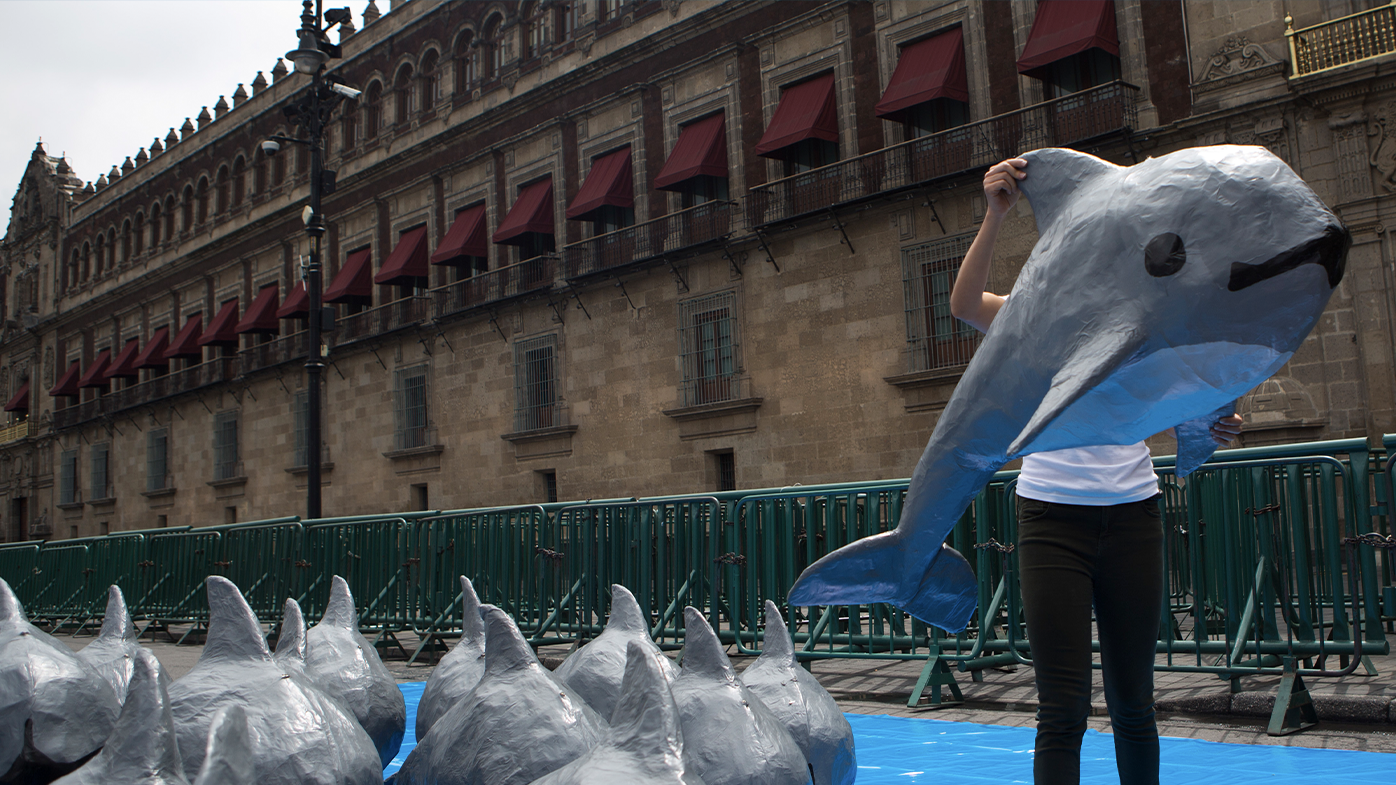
270 147
346 91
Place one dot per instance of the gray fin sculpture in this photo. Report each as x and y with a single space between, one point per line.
515 726
595 670
460 670
56 711
802 704
1156 294
730 735
228 756
327 747
290 646
342 663
142 749
113 652
645 746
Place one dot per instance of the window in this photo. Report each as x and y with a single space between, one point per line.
703 189
101 479
402 97
428 92
68 477
535 383
224 195
1079 72
225 446
155 239
936 338
607 10
239 181
467 62
1072 46
169 218
201 200
373 111
140 233
708 343
410 408
349 124
157 460
548 480
564 21
491 49
725 467
534 30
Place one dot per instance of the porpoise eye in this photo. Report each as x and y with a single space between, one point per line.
1165 255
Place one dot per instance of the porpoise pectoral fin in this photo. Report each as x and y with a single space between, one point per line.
1089 363
1195 443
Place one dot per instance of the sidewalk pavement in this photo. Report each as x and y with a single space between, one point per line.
1355 712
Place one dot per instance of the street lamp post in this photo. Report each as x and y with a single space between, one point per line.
311 114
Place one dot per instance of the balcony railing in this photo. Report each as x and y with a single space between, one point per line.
219 369
530 275
1060 122
275 352
677 231
14 432
1343 41
714 388
381 319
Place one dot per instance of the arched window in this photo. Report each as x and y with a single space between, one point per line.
259 172
70 273
110 263
187 224
201 195
402 94
467 70
140 232
155 225
564 21
239 180
429 80
491 49
349 124
534 30
128 241
169 218
373 110
224 187
87 259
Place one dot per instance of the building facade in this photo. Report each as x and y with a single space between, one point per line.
628 247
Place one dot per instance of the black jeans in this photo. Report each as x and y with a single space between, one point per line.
1071 558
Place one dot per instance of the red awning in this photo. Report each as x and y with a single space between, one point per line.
68 383
96 374
186 343
20 401
608 183
1064 28
124 366
701 149
222 331
927 70
354 284
153 355
297 305
532 212
408 261
261 314
465 239
806 111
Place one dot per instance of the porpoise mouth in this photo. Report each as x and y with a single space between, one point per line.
1329 250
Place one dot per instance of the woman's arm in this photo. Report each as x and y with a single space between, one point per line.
968 300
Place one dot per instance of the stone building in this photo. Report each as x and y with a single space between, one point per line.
628 247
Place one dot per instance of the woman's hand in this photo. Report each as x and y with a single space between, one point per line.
1225 430
1001 184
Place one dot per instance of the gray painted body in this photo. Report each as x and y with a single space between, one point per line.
113 652
802 704
290 646
460 670
228 754
1104 341
595 671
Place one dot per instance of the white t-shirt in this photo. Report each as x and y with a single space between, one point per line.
1092 476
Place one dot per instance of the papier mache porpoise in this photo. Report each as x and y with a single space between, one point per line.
1157 294
801 703
56 711
113 652
290 646
460 670
595 670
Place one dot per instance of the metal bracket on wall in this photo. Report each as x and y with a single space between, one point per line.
335 366
578 297
204 404
436 327
839 225
761 238
678 276
374 349
282 381
621 285
558 311
132 420
935 216
495 324
731 257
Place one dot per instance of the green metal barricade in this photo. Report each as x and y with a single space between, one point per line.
260 558
376 557
19 562
170 588
61 581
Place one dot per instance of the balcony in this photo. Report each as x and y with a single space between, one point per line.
15 432
516 280
684 230
1343 41
1060 122
219 369
381 319
272 353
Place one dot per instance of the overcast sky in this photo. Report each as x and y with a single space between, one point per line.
99 79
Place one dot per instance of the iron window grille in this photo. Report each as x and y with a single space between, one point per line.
157 460
101 475
708 343
226 465
935 338
410 408
535 384
68 478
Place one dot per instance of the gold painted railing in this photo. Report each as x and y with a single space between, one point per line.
14 432
1344 41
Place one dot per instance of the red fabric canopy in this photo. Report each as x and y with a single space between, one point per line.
928 69
261 314
532 212
186 343
124 366
806 111
153 355
701 149
1064 28
465 239
354 284
19 402
297 305
68 382
96 374
222 330
408 261
608 183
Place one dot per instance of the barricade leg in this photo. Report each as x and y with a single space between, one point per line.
935 674
1294 709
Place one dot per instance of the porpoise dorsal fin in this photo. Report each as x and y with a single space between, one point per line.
228 759
472 626
1055 172
1195 442
505 647
626 615
233 629
117 623
703 654
1089 363
645 720
143 739
11 612
777 645
292 640
340 610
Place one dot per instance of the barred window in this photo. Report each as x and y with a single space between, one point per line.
101 463
157 460
68 477
410 408
225 446
708 345
535 383
935 338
